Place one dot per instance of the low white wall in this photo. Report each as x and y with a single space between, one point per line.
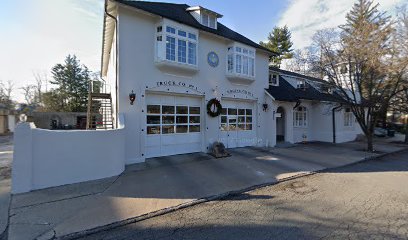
46 158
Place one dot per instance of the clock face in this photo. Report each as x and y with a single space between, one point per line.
213 59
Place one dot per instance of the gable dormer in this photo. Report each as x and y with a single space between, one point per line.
205 16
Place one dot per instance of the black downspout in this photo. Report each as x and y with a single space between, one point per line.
116 63
334 121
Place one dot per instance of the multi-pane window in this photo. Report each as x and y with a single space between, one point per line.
273 79
170 119
180 46
300 117
208 20
348 117
241 61
236 119
301 84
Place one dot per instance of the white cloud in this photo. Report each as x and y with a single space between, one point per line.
305 17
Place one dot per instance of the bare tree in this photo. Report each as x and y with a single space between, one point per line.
6 90
361 60
40 79
29 92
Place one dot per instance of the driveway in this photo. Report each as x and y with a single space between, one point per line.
6 157
166 183
367 200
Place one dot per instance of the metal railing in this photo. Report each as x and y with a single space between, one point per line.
99 87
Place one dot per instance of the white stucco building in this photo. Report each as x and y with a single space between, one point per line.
176 58
172 60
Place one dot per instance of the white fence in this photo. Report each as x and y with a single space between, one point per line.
48 158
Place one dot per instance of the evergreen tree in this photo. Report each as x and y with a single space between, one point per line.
72 81
279 42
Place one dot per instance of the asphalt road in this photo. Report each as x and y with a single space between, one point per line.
368 200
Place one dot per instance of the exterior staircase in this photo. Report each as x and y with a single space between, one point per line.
99 114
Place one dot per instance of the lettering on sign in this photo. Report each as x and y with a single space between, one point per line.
240 91
177 84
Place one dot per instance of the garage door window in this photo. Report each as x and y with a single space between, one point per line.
166 119
233 119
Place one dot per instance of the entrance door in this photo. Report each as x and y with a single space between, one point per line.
173 125
280 124
237 124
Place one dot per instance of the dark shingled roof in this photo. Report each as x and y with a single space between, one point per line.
178 13
287 93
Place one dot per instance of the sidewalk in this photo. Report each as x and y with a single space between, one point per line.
165 183
6 157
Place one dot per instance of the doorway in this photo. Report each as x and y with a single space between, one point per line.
280 124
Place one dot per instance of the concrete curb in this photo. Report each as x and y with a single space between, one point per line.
51 234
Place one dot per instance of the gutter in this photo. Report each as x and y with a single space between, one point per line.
334 121
116 58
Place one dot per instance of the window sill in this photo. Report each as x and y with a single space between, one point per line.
239 78
176 68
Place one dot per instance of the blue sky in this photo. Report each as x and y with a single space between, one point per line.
37 34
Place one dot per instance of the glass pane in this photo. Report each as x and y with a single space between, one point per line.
153 130
223 119
238 64
167 109
170 48
224 127
153 109
241 127
249 112
194 110
170 30
232 120
182 33
182 129
224 111
181 119
195 119
192 49
232 111
168 129
241 119
241 111
249 119
168 120
194 128
182 110
248 127
192 36
182 51
153 120
232 127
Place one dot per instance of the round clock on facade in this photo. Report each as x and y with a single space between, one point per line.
213 59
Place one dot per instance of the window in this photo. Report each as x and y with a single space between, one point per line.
300 117
208 20
241 61
170 119
233 119
301 84
274 79
180 45
348 117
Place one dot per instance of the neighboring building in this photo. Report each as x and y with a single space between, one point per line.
176 58
7 121
59 120
309 109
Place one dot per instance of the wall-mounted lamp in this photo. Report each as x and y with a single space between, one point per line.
132 97
265 107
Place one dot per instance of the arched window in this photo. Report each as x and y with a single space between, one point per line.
300 117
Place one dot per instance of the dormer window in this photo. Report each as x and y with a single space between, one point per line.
274 79
205 16
301 84
241 61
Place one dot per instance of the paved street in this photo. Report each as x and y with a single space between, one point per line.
367 200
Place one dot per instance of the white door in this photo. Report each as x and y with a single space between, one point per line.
173 125
237 124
